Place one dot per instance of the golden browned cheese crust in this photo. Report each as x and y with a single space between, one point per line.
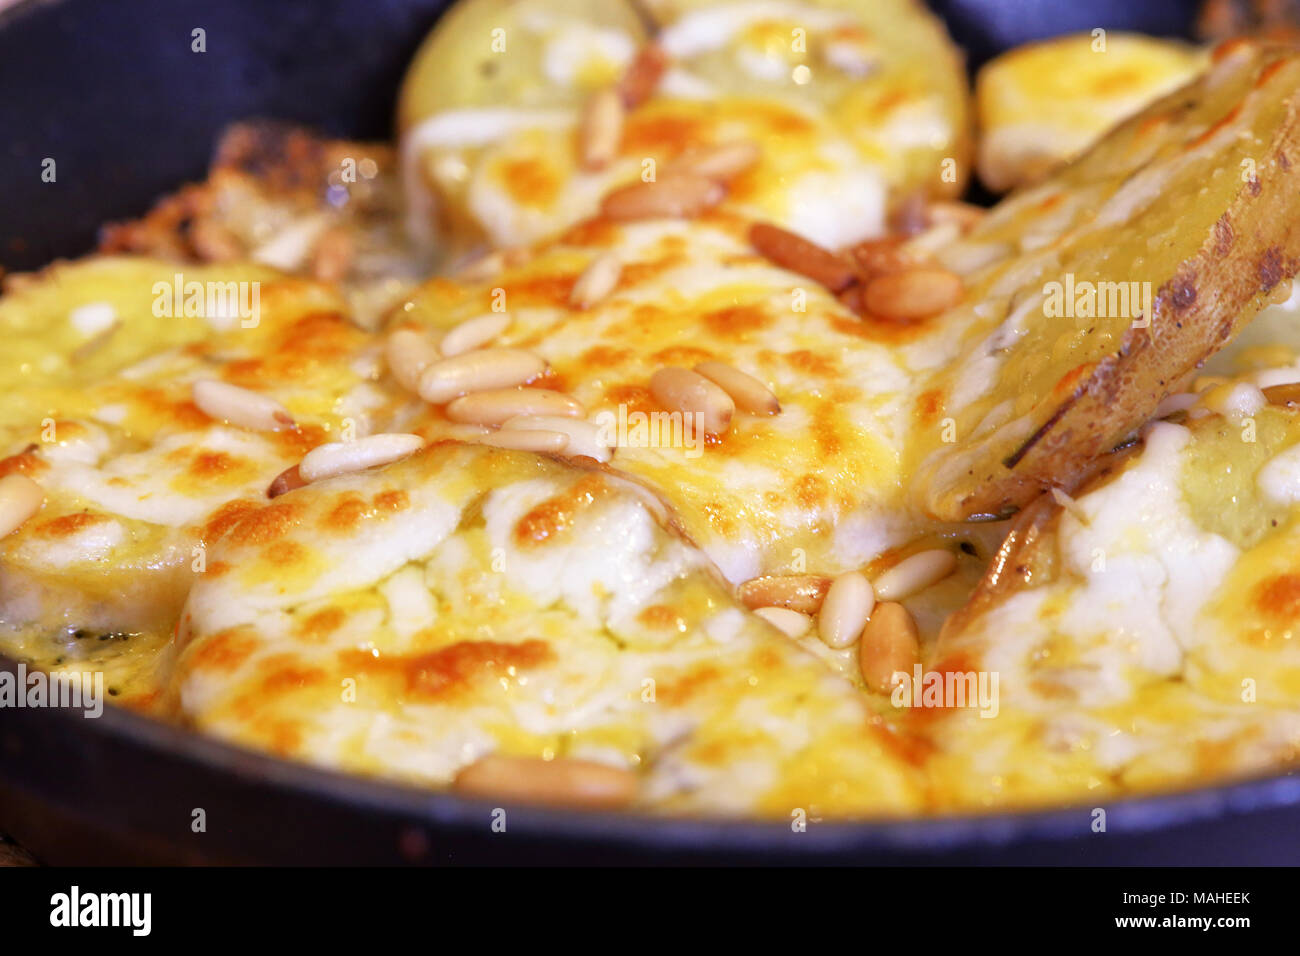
101 367
472 602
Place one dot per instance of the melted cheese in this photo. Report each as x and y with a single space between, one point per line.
566 623
137 479
819 483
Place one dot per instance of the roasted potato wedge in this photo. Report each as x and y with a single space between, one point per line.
1092 294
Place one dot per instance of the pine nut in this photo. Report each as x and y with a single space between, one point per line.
344 457
680 196
875 257
890 643
749 394
723 162
500 404
287 480
915 573
584 437
788 622
473 333
478 371
798 592
794 252
601 129
913 294
239 406
518 439
563 781
408 353
680 389
643 75
20 498
1288 394
481 267
845 610
930 240
597 281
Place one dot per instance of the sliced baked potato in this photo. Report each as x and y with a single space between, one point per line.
1042 104
851 106
1091 295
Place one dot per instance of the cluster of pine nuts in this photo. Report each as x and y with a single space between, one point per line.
851 609
695 181
894 278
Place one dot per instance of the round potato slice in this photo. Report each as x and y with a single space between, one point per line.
1042 104
818 116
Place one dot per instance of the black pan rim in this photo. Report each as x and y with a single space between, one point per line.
1135 814
1129 814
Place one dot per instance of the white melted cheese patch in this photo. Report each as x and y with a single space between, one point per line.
93 318
715 27
576 48
141 485
1147 566
1279 479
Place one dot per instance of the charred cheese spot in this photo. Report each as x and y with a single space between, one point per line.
226 651
557 515
455 668
284 554
226 517
67 526
530 182
1279 598
392 500
320 625
267 524
737 322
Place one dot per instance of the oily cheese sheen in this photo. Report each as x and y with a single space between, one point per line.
818 484
853 106
471 602
100 367
1168 235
